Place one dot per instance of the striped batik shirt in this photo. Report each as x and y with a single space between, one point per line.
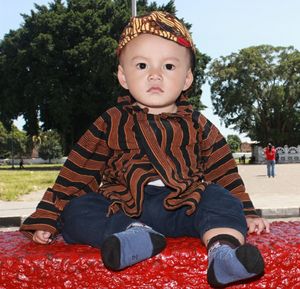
126 148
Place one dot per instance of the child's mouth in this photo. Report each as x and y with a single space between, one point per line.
155 89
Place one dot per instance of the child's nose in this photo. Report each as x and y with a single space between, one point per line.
155 74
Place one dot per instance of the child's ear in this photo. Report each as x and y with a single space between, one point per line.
121 77
189 80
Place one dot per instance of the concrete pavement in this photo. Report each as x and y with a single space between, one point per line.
273 197
277 197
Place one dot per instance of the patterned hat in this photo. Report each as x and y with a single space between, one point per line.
157 23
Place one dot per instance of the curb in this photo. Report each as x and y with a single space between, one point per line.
16 221
279 213
6 222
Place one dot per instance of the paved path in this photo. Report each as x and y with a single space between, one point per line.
281 193
274 197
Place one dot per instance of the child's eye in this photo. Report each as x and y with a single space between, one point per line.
169 66
141 65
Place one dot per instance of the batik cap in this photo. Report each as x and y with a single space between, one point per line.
157 23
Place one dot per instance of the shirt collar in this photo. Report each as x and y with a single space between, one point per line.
184 108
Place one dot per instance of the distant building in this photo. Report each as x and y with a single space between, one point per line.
286 154
34 153
246 147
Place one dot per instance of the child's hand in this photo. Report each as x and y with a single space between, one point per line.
42 237
257 225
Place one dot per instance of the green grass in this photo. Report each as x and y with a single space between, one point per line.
15 182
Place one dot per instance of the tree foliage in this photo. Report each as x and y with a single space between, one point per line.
59 67
13 143
258 92
234 142
50 146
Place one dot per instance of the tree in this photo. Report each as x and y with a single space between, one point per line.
59 67
234 142
12 143
50 146
3 142
258 92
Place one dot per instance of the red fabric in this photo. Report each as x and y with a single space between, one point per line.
270 154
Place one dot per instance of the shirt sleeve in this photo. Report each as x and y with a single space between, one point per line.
219 165
80 174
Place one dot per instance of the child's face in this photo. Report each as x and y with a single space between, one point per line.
155 71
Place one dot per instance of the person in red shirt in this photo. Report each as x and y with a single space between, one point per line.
270 154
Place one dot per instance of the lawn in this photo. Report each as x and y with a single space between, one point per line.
15 182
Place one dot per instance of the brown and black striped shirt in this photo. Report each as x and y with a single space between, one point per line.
126 148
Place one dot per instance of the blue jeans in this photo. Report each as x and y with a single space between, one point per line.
271 168
85 221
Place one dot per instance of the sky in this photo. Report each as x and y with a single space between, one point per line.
219 28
